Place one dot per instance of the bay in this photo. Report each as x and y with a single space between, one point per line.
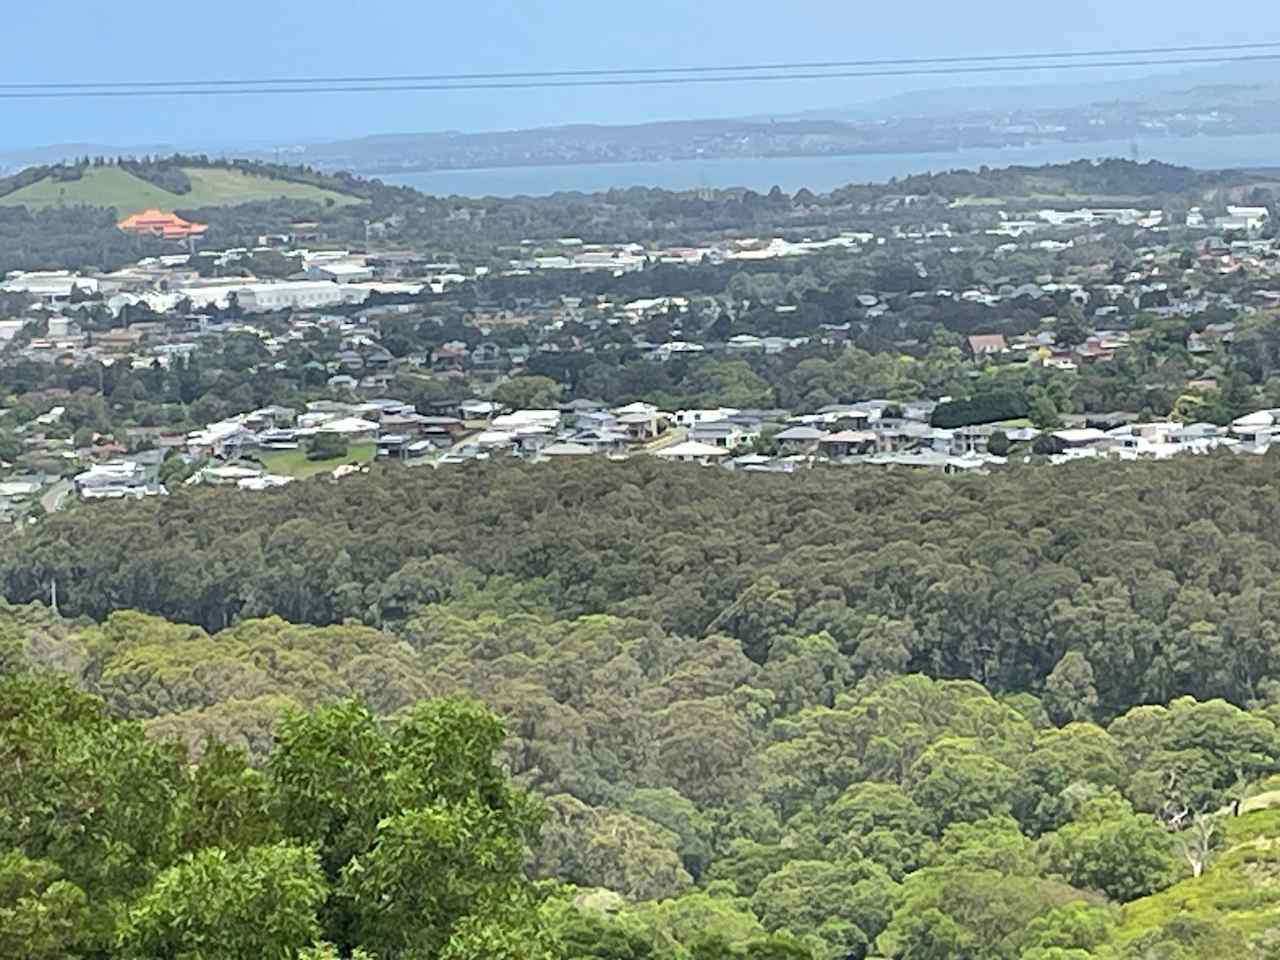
821 174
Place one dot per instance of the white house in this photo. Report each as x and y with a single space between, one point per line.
691 451
352 428
220 439
115 481
724 433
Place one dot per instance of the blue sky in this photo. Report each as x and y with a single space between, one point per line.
86 40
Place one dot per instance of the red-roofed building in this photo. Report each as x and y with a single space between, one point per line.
169 226
987 344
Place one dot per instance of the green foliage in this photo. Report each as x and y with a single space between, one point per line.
43 915
957 780
257 902
528 393
1108 847
994 843
996 405
845 905
952 912
326 446
402 840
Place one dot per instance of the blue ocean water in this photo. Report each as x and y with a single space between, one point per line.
824 173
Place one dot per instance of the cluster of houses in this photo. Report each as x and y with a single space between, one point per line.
875 433
1252 433
570 253
1226 268
329 286
1246 220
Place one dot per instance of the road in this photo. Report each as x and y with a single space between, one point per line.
53 498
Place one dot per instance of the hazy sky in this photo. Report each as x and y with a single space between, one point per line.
87 40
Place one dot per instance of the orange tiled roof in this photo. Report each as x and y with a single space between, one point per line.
167 225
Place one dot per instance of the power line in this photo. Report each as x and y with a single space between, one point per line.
993 63
610 82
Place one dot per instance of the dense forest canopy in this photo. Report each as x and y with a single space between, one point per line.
1159 577
823 716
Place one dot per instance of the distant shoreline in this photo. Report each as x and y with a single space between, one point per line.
823 172
381 170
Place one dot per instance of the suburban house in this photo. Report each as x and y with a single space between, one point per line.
972 439
899 434
845 416
272 416
352 429
601 441
407 423
440 430
986 344
640 421
691 451
691 418
528 421
278 440
724 433
800 439
566 448
1080 440
847 443
577 412
115 481
477 409
486 355
223 439
595 420
1257 428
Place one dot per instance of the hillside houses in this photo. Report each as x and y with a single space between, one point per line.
402 352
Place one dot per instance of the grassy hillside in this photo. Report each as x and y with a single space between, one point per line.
1239 893
210 187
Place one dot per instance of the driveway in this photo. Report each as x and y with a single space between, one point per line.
53 498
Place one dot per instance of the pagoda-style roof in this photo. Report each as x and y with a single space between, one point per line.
170 226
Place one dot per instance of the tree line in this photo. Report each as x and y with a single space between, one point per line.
1157 578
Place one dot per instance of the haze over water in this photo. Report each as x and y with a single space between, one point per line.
825 173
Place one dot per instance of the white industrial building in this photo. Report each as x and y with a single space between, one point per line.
290 295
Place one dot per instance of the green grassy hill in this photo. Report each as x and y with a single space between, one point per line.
1239 894
210 187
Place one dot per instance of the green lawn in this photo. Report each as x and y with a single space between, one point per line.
294 463
113 187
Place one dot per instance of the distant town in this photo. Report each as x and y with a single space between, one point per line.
255 366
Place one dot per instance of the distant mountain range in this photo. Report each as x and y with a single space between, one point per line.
1199 86
1241 98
